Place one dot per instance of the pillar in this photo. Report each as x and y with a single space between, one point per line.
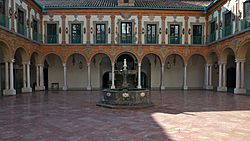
139 29
26 78
63 29
9 84
219 18
112 29
89 78
139 76
237 75
185 87
186 30
37 77
210 77
88 28
222 78
113 76
6 75
41 78
206 78
65 77
163 30
162 76
240 88
12 16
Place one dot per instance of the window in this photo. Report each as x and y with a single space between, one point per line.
175 34
2 12
212 32
100 33
35 30
20 22
247 9
246 21
126 32
227 25
76 33
151 34
197 34
51 33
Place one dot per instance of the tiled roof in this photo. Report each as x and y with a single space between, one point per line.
193 4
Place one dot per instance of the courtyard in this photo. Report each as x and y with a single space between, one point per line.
176 115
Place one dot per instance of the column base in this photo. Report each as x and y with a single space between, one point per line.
65 88
89 88
163 87
26 90
112 87
209 87
9 92
222 89
240 91
40 88
138 87
185 87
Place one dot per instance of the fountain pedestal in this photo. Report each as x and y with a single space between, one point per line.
123 98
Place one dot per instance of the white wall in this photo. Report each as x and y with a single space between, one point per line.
195 72
173 77
76 77
55 71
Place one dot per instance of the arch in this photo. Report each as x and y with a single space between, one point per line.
68 57
74 53
99 64
201 55
129 53
167 57
210 57
159 57
224 54
5 48
243 48
173 73
51 53
23 53
95 54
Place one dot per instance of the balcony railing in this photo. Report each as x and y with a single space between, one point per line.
4 21
75 39
175 39
21 29
245 23
226 31
51 39
125 39
197 40
100 39
151 40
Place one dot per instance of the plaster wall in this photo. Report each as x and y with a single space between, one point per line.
195 72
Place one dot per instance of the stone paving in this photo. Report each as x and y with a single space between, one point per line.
73 116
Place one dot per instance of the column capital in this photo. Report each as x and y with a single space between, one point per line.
40 65
64 65
139 64
240 60
88 64
163 64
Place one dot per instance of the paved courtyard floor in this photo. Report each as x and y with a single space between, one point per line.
73 116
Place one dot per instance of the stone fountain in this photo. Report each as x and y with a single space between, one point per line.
125 97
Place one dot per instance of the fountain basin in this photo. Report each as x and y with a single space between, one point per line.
125 98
